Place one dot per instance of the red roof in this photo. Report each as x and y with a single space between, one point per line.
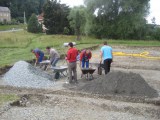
40 17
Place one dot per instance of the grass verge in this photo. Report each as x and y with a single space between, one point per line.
9 27
4 98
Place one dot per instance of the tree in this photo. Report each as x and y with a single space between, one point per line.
18 7
77 18
5 3
55 17
33 25
117 18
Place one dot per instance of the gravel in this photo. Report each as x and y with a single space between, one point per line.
120 83
23 74
59 107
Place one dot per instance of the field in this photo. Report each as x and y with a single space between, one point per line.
7 97
15 46
9 27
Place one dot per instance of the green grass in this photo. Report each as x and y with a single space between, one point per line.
16 46
9 27
16 39
4 98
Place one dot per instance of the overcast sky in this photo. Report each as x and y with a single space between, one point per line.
154 8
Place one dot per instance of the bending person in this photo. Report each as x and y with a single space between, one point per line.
54 56
39 55
85 56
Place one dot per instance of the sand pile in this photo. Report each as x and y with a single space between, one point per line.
23 74
119 83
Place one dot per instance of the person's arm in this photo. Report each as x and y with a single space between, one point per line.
68 55
37 57
90 55
112 55
81 57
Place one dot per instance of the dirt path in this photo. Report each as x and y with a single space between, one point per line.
59 103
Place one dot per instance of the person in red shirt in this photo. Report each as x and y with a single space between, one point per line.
85 56
72 65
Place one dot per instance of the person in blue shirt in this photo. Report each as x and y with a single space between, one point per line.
39 55
106 56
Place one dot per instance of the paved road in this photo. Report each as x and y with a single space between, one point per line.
13 30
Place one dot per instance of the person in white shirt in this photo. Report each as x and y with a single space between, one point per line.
54 56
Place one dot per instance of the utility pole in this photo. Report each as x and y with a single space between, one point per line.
25 18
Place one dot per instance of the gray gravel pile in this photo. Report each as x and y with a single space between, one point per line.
23 74
119 83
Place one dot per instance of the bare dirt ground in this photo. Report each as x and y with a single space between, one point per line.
60 103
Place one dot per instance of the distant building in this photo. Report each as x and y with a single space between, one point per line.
5 14
41 20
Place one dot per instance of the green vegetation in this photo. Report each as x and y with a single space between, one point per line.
77 20
33 25
18 7
7 97
9 27
55 17
16 46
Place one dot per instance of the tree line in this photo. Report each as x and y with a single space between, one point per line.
111 19
18 7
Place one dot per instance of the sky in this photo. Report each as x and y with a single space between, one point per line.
154 8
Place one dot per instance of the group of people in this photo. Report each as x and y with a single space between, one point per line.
53 55
73 55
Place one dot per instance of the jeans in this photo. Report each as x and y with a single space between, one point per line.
107 65
54 62
40 58
85 63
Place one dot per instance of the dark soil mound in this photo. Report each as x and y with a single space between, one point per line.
119 83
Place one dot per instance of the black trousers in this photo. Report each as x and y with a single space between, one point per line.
107 65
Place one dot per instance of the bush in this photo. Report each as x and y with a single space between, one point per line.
66 31
33 25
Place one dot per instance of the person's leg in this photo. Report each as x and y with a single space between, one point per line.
75 71
40 58
105 66
70 72
109 64
55 62
83 63
87 64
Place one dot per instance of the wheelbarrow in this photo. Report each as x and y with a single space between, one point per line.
88 72
59 70
45 64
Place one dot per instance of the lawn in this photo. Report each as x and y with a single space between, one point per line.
7 98
15 46
9 27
